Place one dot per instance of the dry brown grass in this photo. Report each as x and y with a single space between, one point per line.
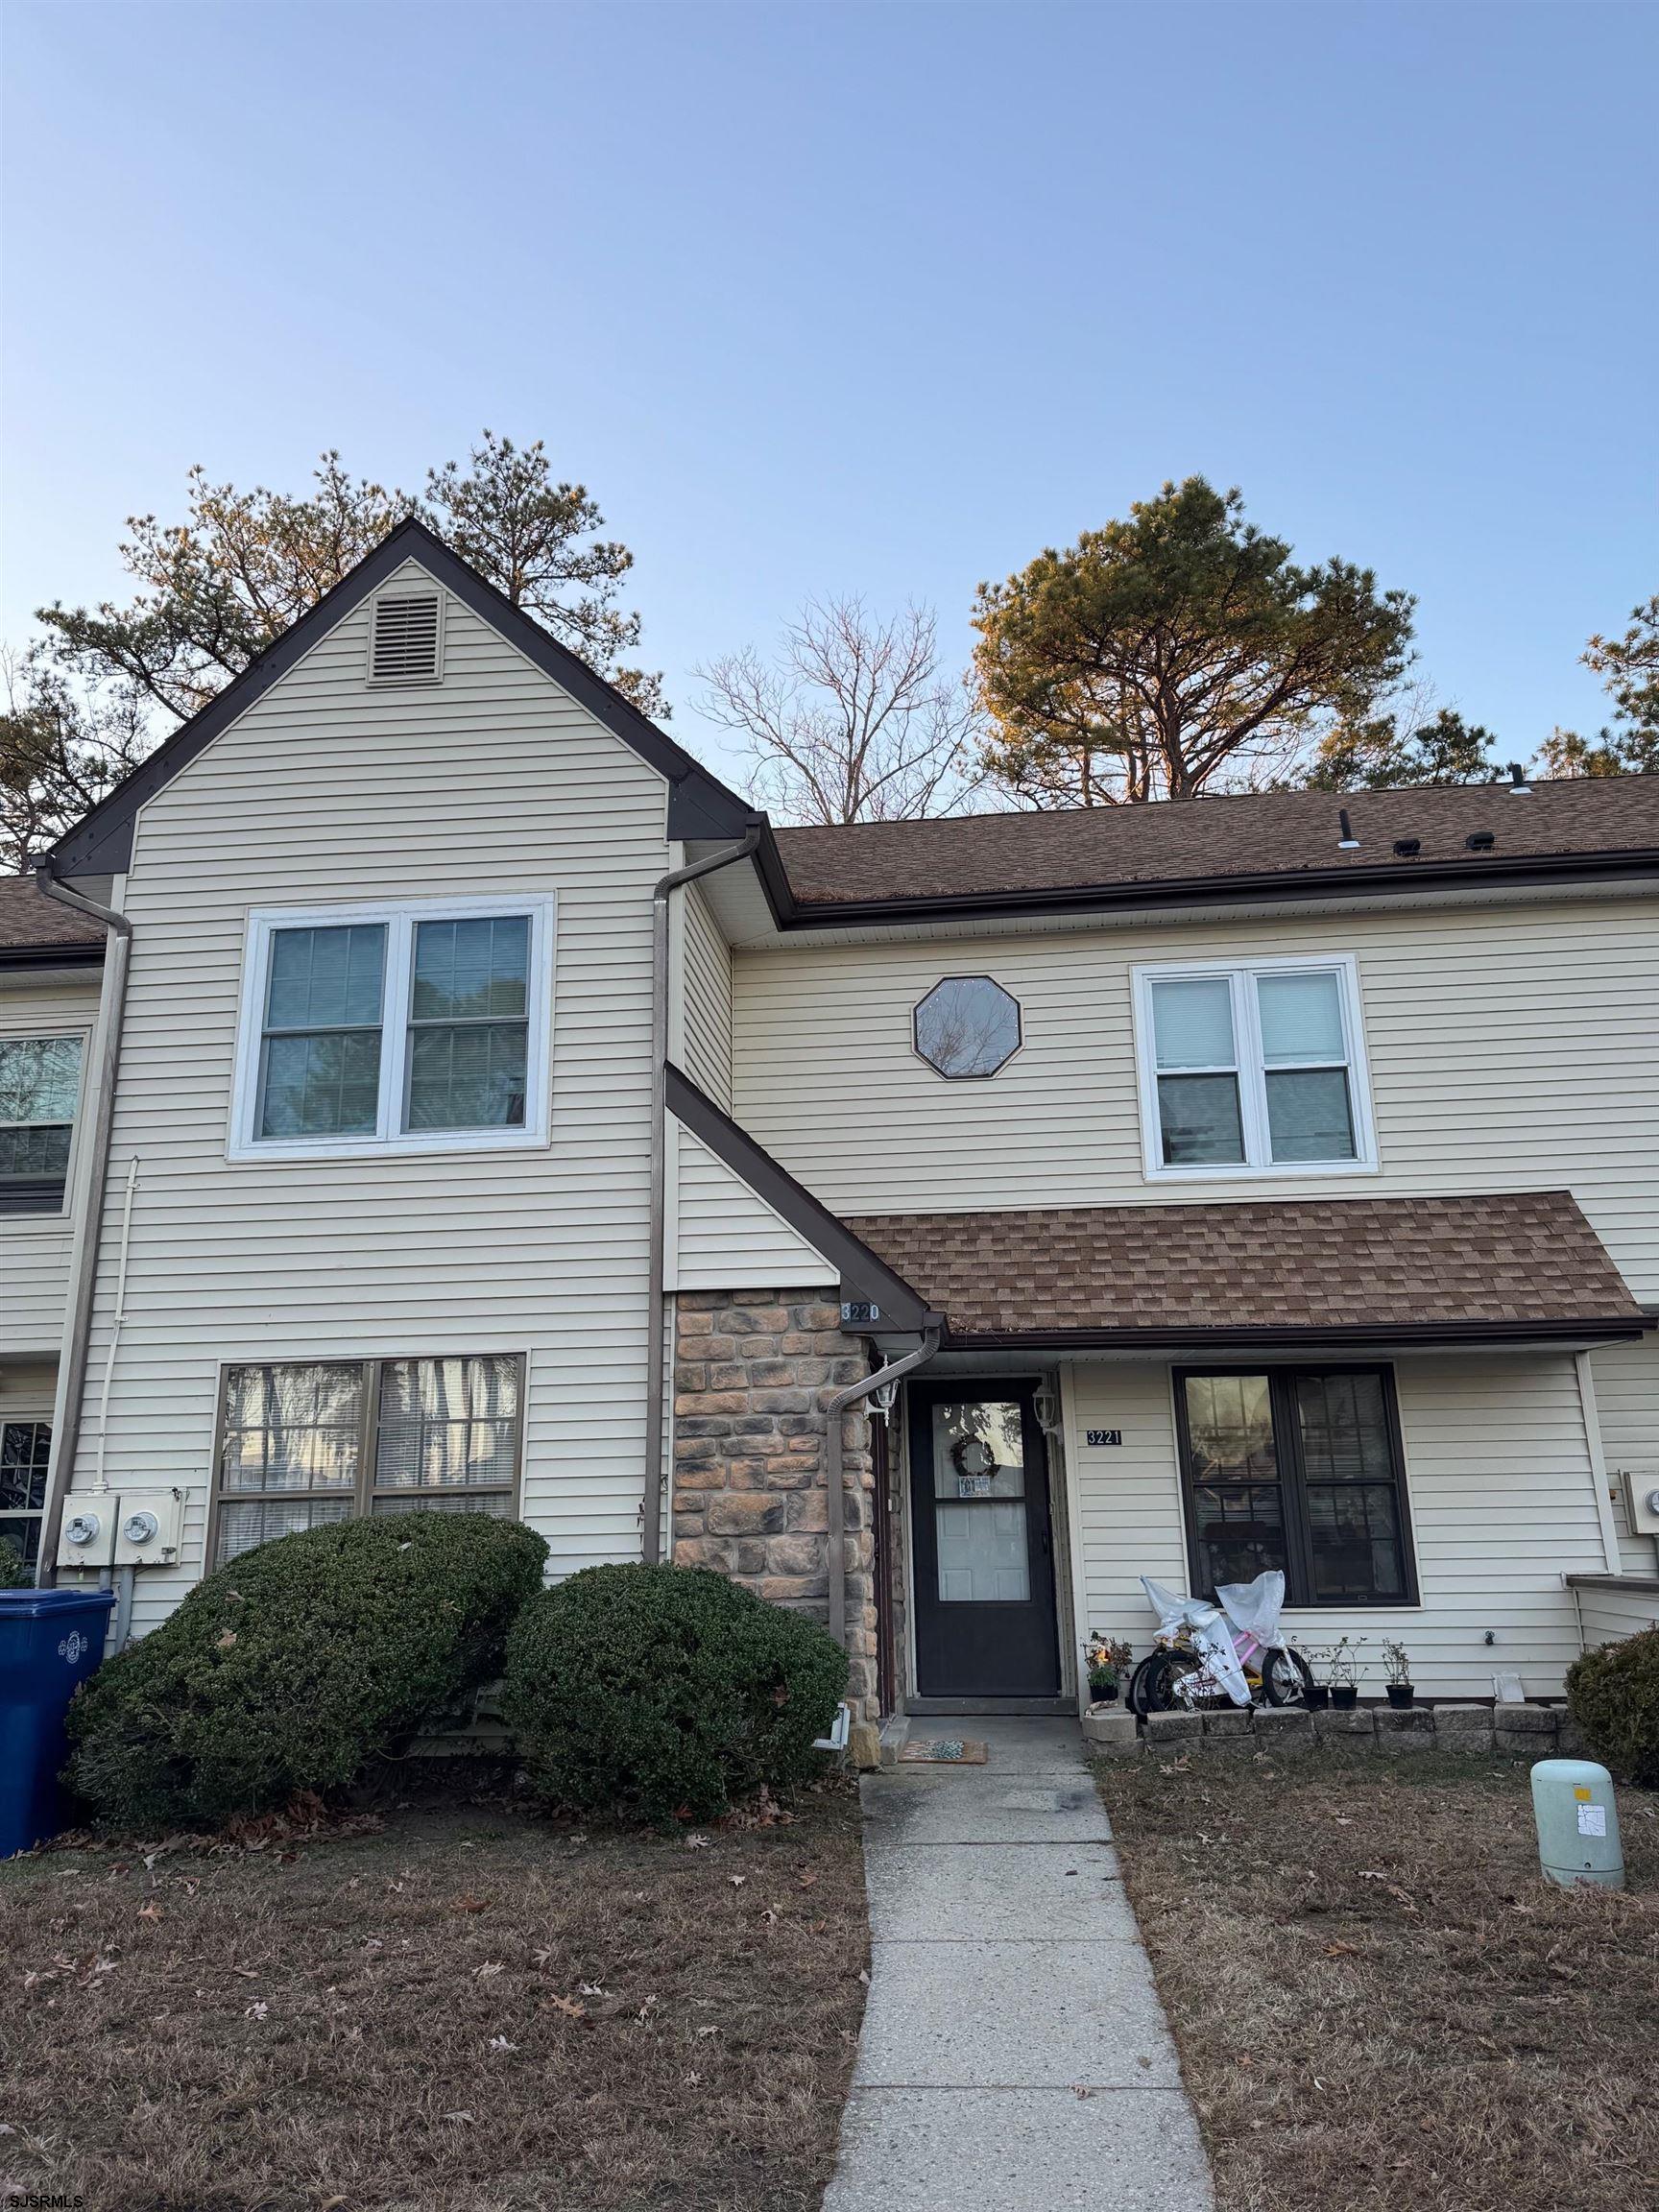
1380 2004
316 2026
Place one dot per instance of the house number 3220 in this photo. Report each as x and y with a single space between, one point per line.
1105 1435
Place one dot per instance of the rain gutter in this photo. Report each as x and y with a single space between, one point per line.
72 1384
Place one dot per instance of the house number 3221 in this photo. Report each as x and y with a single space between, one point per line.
1104 1435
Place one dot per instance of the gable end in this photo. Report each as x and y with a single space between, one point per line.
699 804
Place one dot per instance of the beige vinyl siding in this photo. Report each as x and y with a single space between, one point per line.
494 781
26 1388
34 1248
1609 1616
1627 1404
1498 1477
703 1045
1510 1049
725 1235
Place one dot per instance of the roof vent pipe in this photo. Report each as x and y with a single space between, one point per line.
1519 787
1347 842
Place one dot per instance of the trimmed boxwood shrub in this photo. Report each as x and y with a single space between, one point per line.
652 1692
296 1664
1613 1694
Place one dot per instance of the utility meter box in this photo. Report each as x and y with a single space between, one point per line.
88 1535
1641 1498
149 1524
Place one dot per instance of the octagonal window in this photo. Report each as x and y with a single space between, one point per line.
966 1026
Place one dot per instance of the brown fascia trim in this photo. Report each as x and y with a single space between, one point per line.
23 957
699 804
1620 1330
864 1277
1217 890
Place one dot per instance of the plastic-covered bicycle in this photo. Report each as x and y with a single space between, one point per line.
1232 1652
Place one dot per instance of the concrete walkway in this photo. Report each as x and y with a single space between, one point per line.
1008 1978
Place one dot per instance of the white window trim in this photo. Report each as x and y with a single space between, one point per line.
398 917
1259 1165
32 1028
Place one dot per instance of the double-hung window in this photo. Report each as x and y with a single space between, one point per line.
394 1029
1249 1069
1300 1470
39 1091
301 1443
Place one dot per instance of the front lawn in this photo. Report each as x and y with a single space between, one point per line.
1380 2004
464 2009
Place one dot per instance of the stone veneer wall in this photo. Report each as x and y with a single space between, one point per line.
753 1373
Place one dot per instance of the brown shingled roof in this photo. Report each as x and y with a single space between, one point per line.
31 923
1514 1262
1195 840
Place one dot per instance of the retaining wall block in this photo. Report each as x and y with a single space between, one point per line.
1466 1728
1283 1728
1113 1732
1228 1720
1356 1727
1174 1727
1411 1730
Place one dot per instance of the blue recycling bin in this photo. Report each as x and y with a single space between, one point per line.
50 1640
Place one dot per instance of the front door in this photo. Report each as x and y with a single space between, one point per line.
984 1580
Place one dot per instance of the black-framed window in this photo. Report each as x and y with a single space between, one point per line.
1299 1468
25 1448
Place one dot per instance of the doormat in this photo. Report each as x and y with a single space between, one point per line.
942 1751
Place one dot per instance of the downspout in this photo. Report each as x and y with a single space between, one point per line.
836 1517
116 959
666 887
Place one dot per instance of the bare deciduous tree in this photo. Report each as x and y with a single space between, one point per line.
854 721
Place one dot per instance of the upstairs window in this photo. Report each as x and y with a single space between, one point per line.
411 1028
39 1093
1253 1069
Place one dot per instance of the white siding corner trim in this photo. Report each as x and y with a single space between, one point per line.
723 1236
399 919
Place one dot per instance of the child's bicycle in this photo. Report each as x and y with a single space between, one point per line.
1205 1655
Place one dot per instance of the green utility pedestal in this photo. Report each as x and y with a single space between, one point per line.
1577 1823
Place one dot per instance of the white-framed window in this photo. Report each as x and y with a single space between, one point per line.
304 1442
1253 1067
422 1026
40 1099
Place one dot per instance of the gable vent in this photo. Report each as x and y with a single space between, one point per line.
406 638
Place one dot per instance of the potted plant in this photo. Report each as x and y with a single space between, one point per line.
1344 1670
1318 1691
1398 1661
1105 1657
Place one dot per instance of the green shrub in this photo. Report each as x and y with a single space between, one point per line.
1614 1696
651 1692
14 1574
296 1664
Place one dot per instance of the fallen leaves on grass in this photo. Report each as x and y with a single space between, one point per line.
1416 2023
285 2033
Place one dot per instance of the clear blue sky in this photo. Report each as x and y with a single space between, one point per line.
821 298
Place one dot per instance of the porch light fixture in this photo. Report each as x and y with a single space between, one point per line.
1046 1405
882 1398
